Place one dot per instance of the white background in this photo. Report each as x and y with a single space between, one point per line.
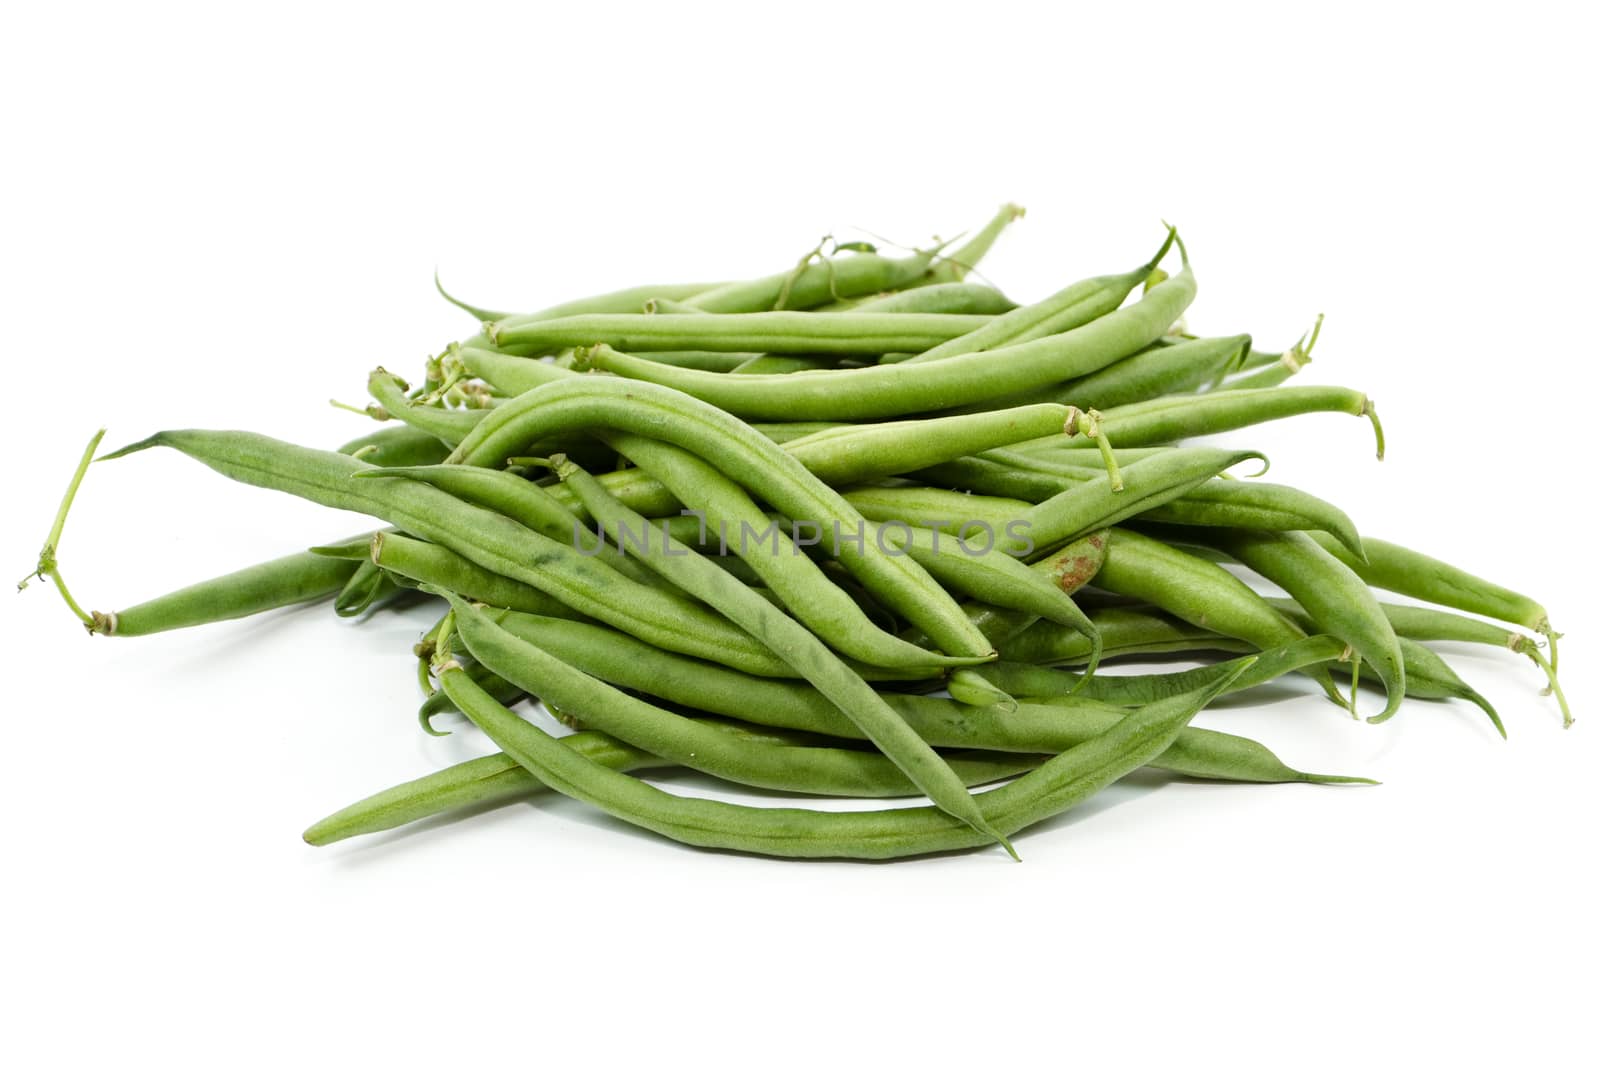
221 218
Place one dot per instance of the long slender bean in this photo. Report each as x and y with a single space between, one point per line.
1334 597
850 334
1060 783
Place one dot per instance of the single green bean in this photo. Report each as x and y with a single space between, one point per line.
482 783
1333 596
857 333
1199 592
945 298
1060 783
1410 573
812 283
1029 681
1173 418
294 579
427 564
1156 372
396 446
1076 305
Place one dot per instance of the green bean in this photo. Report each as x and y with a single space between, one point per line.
428 564
1410 573
800 586
717 361
857 333
1267 370
896 389
482 783
1072 307
1427 675
798 647
1156 371
955 266
931 507
367 588
991 576
810 284
448 425
1123 632
492 541
780 364
1414 623
745 456
1097 503
509 374
632 299
396 446
1058 784
1249 504
1029 681
294 579
944 298
713 749
1333 596
1199 592
1173 418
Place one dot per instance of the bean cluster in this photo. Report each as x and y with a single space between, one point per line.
861 528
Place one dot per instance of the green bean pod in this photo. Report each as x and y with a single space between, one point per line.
1076 305
1173 418
426 564
295 579
944 298
1199 592
1058 784
814 283
1028 681
1411 573
396 446
485 782
851 334
1336 598
1097 503
1156 371
449 425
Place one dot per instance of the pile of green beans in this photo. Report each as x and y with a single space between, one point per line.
862 527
